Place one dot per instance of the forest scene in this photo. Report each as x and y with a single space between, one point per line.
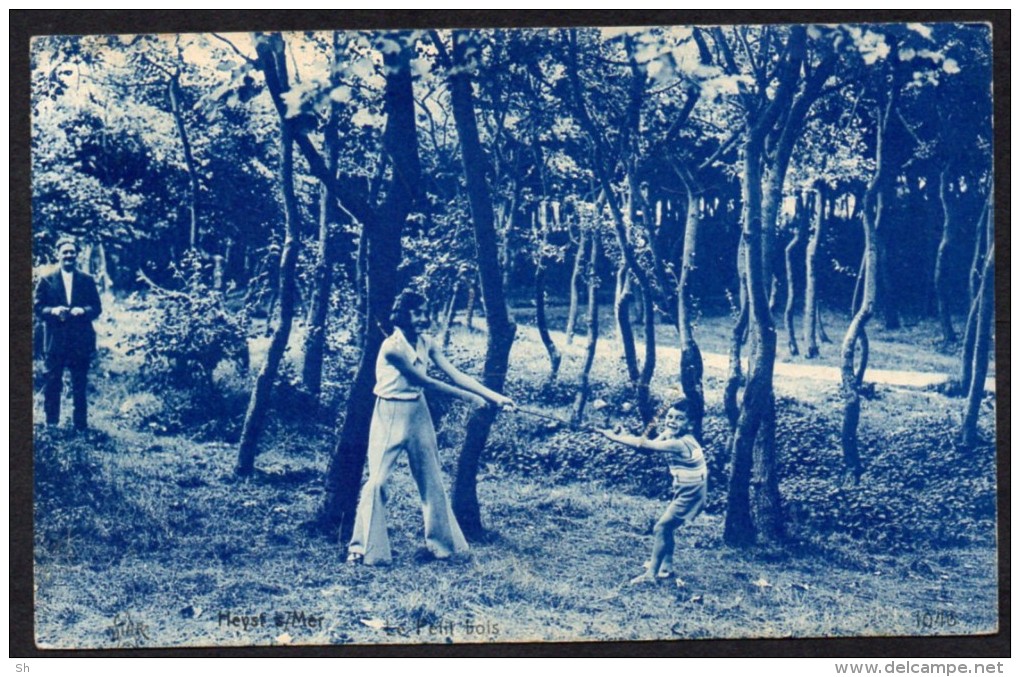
790 228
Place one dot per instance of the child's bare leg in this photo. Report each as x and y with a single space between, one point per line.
662 550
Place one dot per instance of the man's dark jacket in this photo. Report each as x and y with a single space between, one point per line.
72 338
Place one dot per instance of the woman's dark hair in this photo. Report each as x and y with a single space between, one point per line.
406 301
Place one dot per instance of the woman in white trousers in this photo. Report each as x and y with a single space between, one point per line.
401 422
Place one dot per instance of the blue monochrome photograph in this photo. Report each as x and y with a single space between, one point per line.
480 336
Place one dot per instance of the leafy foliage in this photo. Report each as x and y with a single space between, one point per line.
190 336
918 490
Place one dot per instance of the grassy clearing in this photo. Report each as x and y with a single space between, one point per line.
204 545
148 540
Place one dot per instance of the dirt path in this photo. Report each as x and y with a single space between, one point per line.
892 377
720 363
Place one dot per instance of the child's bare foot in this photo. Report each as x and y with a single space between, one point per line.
646 577
665 569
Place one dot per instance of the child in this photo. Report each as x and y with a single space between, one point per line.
401 422
690 483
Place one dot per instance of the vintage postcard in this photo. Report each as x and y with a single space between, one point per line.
497 335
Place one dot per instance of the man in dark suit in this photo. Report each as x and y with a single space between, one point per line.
67 301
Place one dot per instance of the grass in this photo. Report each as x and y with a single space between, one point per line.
557 571
156 531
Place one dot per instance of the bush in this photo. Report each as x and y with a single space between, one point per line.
919 489
191 342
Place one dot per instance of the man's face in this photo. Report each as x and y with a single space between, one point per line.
676 422
68 256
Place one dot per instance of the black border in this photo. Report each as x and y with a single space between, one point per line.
26 23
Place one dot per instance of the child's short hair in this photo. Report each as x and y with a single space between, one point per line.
406 301
683 405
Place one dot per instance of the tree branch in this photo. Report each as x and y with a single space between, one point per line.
759 73
721 150
237 51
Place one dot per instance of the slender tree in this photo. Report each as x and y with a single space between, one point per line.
315 337
543 258
812 321
982 342
985 235
603 162
872 213
738 336
799 223
500 328
272 60
947 245
753 456
592 276
691 365
575 281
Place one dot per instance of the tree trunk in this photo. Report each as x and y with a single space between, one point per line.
315 339
766 506
756 511
871 218
602 164
855 302
258 404
469 310
811 319
980 247
174 89
624 299
450 311
541 262
593 328
503 243
575 279
819 324
758 401
887 298
945 251
379 259
798 236
501 329
982 342
773 294
103 274
644 397
960 386
856 333
735 374
648 293
691 366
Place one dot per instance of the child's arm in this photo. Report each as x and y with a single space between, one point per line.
419 377
466 382
671 444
